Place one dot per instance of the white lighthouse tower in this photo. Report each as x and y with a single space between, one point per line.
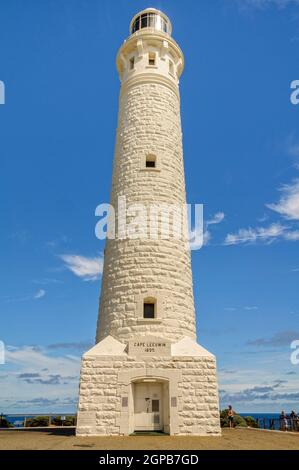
146 371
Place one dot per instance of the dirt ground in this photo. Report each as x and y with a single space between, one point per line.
64 439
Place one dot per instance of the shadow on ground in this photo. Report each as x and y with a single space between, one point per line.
67 431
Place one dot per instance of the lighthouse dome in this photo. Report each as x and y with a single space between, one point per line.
151 18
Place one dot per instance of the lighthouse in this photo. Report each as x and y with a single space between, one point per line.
146 371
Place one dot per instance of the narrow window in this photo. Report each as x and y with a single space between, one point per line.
150 161
171 67
144 20
136 25
148 309
152 58
132 63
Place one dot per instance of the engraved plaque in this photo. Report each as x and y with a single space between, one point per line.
124 402
87 418
174 402
149 346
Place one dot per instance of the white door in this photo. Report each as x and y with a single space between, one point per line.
148 406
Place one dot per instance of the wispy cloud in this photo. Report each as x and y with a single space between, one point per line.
88 269
247 307
36 372
41 404
62 240
288 205
46 281
80 346
39 294
216 219
280 339
265 393
261 234
25 298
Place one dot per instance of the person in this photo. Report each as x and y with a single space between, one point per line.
283 421
230 415
294 420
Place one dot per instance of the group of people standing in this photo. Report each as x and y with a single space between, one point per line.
289 422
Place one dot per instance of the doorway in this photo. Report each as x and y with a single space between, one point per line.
148 406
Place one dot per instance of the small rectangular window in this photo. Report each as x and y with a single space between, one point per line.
152 58
132 63
150 161
148 310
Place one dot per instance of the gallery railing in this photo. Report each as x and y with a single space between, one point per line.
277 424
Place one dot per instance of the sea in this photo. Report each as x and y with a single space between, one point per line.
264 419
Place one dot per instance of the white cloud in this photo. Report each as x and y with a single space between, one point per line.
32 373
249 307
33 359
253 235
199 239
292 236
206 237
40 293
288 205
216 219
25 298
88 269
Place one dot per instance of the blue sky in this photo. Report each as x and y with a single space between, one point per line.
241 151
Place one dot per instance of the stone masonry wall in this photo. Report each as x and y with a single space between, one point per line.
197 393
149 123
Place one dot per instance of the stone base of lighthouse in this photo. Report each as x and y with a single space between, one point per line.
148 384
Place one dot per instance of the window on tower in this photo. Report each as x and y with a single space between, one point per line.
132 63
144 20
149 308
152 58
150 161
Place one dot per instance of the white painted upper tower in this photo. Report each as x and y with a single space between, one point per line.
147 284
